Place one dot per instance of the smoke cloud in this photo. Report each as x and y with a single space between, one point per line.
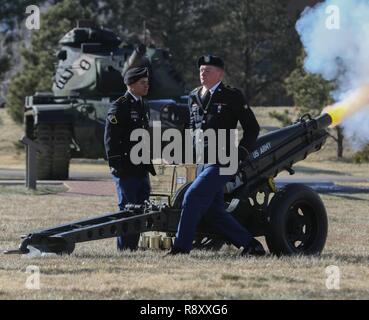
335 35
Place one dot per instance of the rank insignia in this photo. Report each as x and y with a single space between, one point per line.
135 115
220 106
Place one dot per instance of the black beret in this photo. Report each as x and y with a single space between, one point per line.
135 74
209 60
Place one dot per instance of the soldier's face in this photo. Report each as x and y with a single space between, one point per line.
140 88
210 75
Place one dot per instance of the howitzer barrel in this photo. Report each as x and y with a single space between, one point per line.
279 150
323 121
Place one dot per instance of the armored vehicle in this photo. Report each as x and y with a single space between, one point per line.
69 121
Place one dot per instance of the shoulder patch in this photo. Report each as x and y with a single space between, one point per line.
112 119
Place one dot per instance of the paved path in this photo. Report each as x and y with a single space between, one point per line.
107 188
90 188
100 184
19 174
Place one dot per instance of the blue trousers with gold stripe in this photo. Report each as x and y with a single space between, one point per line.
205 196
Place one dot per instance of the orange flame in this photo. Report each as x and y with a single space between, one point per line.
356 101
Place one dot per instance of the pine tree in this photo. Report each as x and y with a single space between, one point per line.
185 27
311 93
259 43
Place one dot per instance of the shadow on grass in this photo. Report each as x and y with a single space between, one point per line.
348 197
206 257
302 169
347 258
41 190
151 254
64 271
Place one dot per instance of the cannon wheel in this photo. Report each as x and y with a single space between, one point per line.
200 242
298 222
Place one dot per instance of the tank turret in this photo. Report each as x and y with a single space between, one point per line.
164 79
91 63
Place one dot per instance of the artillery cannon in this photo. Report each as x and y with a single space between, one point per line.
293 219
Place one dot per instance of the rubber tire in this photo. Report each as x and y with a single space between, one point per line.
278 211
179 195
54 163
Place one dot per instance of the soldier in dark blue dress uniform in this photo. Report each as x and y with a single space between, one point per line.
216 106
128 113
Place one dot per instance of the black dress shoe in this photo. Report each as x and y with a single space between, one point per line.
175 251
254 249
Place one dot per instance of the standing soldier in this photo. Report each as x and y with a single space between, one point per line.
128 113
216 106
